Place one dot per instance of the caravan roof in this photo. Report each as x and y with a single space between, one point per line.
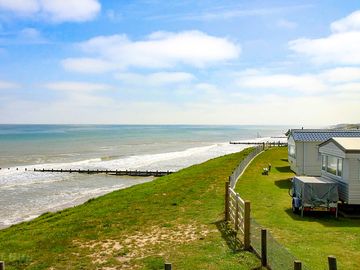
321 135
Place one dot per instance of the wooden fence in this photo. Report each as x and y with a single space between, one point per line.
243 164
237 213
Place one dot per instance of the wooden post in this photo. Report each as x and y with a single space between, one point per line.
227 202
168 266
297 265
332 262
2 266
247 226
237 210
263 248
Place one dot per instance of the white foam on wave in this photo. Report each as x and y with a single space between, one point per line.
164 161
40 192
23 211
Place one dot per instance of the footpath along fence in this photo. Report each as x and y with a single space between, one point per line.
253 236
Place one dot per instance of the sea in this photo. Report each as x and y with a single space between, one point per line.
26 194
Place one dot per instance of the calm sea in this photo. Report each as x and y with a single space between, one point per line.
26 194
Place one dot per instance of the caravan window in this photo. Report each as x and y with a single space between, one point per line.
291 150
332 165
323 163
339 166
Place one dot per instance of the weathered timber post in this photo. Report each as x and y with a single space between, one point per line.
168 266
237 210
227 203
263 248
297 265
2 266
332 262
247 225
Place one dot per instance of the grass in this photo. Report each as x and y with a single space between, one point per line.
176 218
312 238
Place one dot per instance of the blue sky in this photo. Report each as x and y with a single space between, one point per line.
180 62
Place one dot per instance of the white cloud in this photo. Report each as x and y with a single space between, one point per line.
77 86
283 23
87 65
21 7
341 74
229 12
113 15
349 23
340 47
75 11
8 85
283 82
156 79
208 88
349 88
159 50
53 10
30 35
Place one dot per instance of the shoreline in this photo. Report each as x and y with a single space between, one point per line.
85 180
167 218
73 203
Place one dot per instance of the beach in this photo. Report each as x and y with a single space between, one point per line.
25 194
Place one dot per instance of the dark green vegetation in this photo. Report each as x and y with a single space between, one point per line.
312 238
175 218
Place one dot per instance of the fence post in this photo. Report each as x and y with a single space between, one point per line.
247 226
237 210
2 266
297 265
168 266
227 201
263 248
332 262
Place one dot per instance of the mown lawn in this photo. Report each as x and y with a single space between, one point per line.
175 218
312 238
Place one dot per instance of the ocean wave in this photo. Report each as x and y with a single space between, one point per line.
25 175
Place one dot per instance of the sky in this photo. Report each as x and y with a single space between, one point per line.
180 62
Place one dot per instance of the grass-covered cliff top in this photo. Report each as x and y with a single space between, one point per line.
176 218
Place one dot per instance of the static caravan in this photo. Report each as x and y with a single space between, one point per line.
340 162
303 148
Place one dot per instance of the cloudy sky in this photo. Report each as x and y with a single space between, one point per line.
180 62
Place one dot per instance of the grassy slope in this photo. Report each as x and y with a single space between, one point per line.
135 228
311 238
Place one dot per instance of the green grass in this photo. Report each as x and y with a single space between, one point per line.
312 238
175 218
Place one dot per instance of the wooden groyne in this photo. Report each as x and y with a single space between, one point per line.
268 144
112 172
